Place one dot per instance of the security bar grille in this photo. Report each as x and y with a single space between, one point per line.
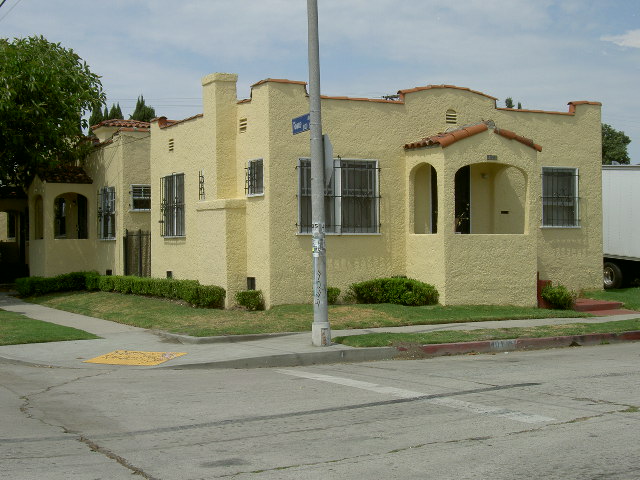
172 205
560 200
351 202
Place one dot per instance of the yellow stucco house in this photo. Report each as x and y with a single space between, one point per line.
84 217
437 184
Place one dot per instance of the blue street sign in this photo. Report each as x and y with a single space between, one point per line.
301 124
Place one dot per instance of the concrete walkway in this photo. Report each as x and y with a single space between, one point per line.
243 351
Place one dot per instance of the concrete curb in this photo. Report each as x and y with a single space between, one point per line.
297 359
492 346
372 354
187 339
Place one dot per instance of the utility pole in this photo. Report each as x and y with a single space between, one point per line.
320 330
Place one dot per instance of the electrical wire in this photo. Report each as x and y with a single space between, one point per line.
9 11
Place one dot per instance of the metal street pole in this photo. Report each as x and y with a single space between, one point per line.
320 330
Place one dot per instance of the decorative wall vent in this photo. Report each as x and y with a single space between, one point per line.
242 125
171 144
451 117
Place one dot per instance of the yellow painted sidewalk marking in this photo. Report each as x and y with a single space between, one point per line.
130 357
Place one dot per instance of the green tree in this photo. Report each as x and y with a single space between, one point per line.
508 102
96 116
115 113
614 146
142 113
45 89
519 106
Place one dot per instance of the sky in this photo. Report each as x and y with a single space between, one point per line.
541 53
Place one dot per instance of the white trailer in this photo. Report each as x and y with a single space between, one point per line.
620 224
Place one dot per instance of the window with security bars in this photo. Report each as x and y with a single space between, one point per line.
140 198
172 205
107 213
560 200
351 199
254 178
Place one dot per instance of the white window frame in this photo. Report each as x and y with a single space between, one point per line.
254 178
107 213
336 192
568 199
140 191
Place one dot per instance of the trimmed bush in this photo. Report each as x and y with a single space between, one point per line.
332 295
66 282
210 296
398 290
207 296
251 299
559 297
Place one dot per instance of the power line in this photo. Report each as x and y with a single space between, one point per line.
12 7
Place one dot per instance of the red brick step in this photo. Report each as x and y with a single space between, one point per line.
590 305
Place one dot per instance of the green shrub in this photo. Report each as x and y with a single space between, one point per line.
398 290
210 296
251 299
65 282
559 297
332 295
92 281
106 283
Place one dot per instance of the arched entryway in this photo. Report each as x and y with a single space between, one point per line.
425 199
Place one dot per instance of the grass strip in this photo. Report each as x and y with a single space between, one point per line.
17 329
456 336
175 317
629 296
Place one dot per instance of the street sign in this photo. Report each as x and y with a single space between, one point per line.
301 124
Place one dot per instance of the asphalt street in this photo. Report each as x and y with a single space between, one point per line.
569 413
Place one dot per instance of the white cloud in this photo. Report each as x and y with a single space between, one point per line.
629 39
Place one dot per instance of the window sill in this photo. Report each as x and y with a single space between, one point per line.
251 195
349 234
168 237
143 210
110 239
548 227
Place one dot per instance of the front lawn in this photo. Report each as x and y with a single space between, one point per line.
174 317
17 329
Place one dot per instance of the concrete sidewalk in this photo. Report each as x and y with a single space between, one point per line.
243 351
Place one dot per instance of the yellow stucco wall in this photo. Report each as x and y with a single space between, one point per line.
119 163
3 226
230 237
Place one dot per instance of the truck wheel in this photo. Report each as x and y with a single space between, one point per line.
612 275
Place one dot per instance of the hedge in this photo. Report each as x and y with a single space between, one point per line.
207 296
398 290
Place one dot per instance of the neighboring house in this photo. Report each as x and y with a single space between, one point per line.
80 215
501 197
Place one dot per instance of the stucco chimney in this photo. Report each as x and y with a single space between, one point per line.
220 104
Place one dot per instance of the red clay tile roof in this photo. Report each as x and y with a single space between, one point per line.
163 122
64 174
448 138
402 93
572 108
279 80
134 124
513 136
